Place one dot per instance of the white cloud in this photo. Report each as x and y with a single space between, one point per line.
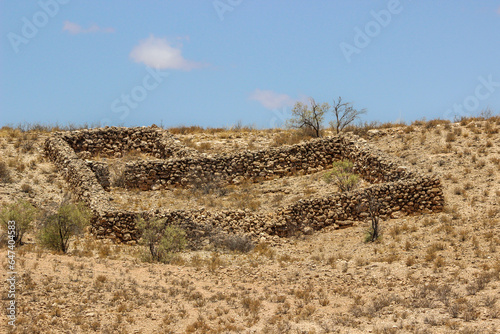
158 53
272 100
75 28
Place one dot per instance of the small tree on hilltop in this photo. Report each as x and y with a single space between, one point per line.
310 117
344 114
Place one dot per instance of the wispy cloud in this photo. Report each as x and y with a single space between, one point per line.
74 28
271 100
158 53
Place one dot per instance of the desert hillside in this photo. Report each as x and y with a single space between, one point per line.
427 273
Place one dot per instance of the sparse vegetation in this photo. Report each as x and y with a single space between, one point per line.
117 175
310 117
23 214
373 208
342 175
5 176
69 220
430 272
161 241
233 242
344 114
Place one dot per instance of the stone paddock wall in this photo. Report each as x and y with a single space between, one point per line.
116 141
399 189
308 157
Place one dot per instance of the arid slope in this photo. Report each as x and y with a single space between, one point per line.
436 273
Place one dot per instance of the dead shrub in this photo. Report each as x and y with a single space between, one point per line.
238 243
5 176
26 188
435 122
479 283
289 138
251 305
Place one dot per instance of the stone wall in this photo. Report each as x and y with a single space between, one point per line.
399 189
199 224
77 172
421 194
308 157
101 172
115 141
338 210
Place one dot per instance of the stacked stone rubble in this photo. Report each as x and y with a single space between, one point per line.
397 188
308 157
115 141
422 194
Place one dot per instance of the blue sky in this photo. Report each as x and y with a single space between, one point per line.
220 62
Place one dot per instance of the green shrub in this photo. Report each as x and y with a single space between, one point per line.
23 213
70 220
342 175
162 241
328 177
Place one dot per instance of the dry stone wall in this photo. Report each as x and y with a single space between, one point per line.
198 224
115 141
399 189
308 157
101 172
422 194
77 172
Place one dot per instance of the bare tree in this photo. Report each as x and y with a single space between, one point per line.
344 113
309 117
374 212
371 206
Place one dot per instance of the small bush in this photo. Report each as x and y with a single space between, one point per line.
23 213
70 220
435 122
28 145
26 188
235 243
4 173
162 241
289 138
342 175
251 305
450 137
328 177
204 147
173 240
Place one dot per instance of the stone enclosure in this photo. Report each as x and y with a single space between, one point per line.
399 189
